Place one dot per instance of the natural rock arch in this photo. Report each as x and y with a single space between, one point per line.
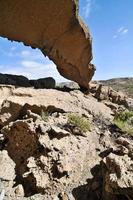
56 29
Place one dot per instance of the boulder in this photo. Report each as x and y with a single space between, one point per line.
129 103
16 80
5 91
68 86
7 167
48 83
118 173
106 93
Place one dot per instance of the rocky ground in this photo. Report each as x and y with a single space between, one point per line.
44 157
121 84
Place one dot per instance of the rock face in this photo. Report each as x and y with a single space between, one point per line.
56 29
118 175
48 83
16 80
22 81
103 93
43 158
121 84
51 101
43 149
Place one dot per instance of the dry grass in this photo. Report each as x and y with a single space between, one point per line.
79 121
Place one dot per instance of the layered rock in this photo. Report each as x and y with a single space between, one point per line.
56 29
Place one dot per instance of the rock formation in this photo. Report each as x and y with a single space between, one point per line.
22 81
56 29
103 93
123 84
47 83
8 79
44 157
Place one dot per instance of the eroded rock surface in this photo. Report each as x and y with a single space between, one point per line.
56 29
103 93
49 100
118 174
43 158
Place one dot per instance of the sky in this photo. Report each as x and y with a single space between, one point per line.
111 25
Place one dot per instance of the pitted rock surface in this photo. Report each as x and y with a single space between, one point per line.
41 158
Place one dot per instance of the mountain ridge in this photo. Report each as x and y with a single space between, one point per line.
124 84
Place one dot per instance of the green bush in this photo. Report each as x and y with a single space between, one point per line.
124 121
79 121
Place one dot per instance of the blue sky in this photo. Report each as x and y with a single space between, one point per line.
111 25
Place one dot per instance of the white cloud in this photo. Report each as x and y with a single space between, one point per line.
25 53
31 64
87 8
33 70
13 48
38 69
125 31
26 61
31 54
121 31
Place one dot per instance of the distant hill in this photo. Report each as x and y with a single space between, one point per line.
120 84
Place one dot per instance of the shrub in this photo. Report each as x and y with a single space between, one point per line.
44 115
124 121
79 121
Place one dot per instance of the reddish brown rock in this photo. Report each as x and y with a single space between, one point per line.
56 29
